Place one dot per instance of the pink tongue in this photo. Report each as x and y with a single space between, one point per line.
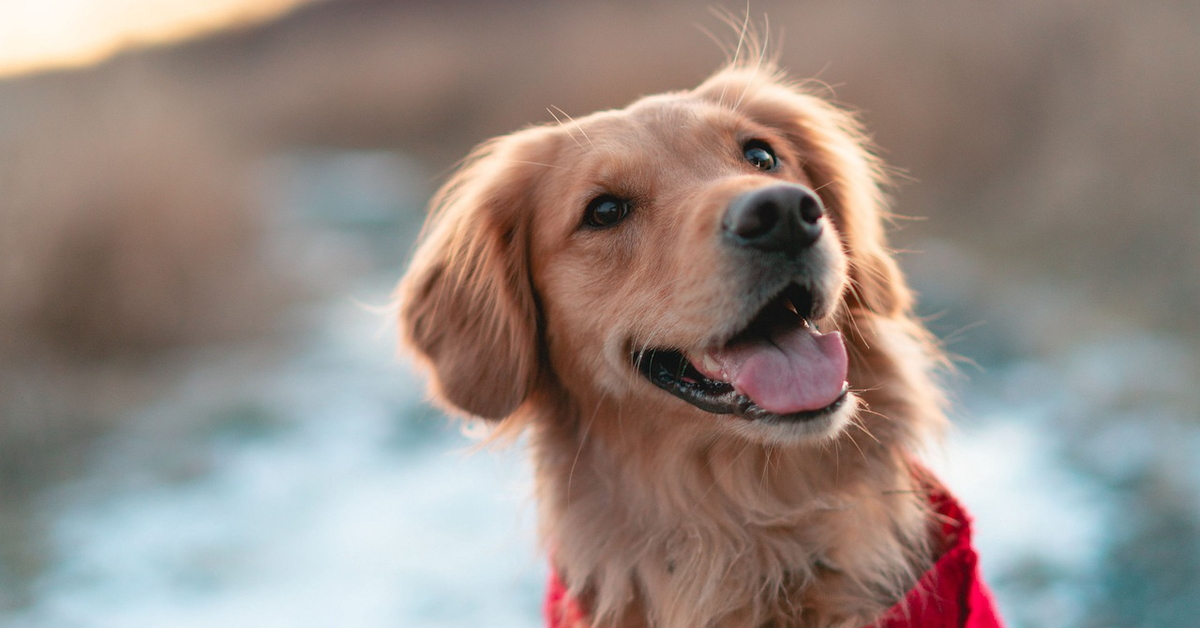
790 371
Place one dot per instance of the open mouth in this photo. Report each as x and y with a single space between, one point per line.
779 367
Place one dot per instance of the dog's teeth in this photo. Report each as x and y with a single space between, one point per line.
790 306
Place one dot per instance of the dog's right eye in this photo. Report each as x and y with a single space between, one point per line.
760 155
605 211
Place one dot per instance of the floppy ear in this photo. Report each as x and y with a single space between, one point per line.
844 173
466 303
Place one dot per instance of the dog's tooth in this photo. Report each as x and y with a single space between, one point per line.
710 363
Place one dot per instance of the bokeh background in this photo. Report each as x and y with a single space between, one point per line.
204 206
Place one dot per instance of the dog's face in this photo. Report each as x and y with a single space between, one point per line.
697 259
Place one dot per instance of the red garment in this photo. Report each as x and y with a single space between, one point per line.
950 595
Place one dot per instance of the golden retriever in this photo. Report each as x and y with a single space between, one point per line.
690 308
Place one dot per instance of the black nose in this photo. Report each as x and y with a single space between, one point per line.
780 218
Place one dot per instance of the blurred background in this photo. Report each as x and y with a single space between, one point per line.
204 206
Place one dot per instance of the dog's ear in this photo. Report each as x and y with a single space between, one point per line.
843 171
466 304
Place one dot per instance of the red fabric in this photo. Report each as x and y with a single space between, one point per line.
560 610
950 595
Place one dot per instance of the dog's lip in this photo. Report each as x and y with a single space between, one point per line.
675 371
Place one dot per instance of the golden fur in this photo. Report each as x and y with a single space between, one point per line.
657 513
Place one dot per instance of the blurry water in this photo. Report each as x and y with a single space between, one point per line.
1076 448
1086 512
313 488
322 493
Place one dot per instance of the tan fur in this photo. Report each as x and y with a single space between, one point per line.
657 513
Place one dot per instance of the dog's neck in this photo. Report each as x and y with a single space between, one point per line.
727 533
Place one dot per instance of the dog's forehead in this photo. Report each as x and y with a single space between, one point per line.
671 122
656 133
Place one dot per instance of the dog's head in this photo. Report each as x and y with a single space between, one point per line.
703 256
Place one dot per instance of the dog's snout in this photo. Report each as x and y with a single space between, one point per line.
780 218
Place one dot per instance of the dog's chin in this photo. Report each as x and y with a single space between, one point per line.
786 431
778 380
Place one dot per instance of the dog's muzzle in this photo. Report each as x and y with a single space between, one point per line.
778 365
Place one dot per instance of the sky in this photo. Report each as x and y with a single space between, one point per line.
39 34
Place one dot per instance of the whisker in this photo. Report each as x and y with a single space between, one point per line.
823 185
863 428
766 467
565 128
762 54
854 289
587 428
881 416
577 125
743 30
716 472
850 437
534 163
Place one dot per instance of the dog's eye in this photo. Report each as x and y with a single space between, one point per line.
605 211
760 155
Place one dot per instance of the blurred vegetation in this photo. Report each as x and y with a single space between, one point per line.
1057 138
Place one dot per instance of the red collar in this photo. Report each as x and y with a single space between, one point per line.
950 595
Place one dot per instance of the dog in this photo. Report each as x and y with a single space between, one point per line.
690 307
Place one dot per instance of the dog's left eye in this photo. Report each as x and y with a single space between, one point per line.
760 155
605 211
